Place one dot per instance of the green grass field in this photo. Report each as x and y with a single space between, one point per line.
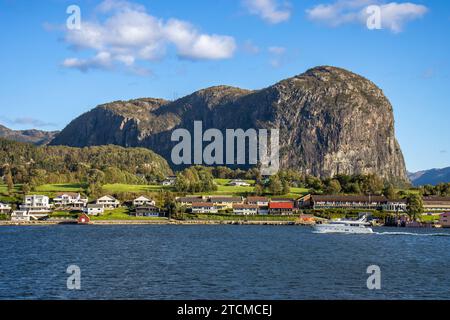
121 214
429 218
63 187
134 188
4 188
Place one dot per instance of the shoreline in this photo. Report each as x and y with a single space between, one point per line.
154 222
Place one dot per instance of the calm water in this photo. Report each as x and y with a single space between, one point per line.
220 262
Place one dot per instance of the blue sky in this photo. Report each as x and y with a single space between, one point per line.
49 74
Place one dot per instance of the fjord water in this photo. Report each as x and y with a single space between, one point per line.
221 262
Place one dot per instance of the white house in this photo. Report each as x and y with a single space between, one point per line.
204 207
147 211
20 216
108 202
238 183
395 206
4 208
25 215
94 209
70 199
36 203
169 181
245 209
143 201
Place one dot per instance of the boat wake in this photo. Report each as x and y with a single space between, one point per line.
413 234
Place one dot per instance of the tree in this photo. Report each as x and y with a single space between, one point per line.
9 182
259 189
333 187
389 192
275 185
414 206
26 188
371 184
170 204
285 187
353 188
95 190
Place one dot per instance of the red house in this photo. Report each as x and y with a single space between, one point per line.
84 219
281 208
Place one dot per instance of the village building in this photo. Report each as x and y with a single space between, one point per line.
259 201
143 201
223 203
108 202
70 200
282 200
83 219
245 209
394 206
204 207
36 203
238 183
436 204
169 181
147 211
281 208
94 209
347 202
189 200
5 208
20 216
26 215
304 201
444 220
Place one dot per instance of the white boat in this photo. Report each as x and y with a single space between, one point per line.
360 226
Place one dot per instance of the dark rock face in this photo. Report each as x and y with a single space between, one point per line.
331 122
33 136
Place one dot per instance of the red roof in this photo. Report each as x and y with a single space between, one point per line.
281 205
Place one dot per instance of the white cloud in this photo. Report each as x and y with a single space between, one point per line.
250 48
103 60
128 34
269 10
276 56
394 16
277 50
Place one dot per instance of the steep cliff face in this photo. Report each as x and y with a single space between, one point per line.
331 121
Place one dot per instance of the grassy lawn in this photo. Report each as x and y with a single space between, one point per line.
429 218
62 187
134 188
4 188
121 214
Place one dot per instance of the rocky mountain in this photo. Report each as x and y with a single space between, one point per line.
331 121
33 136
433 176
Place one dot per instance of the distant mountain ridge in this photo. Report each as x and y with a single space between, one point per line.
331 121
37 137
432 176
